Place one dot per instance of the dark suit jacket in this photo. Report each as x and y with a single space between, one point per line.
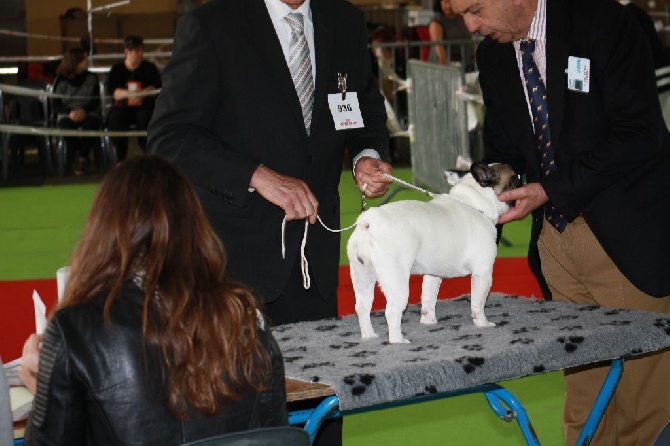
612 147
228 104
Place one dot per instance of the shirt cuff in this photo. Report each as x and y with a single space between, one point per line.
372 153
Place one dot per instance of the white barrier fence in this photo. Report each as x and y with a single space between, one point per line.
438 123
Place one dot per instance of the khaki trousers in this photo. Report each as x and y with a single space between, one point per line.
578 270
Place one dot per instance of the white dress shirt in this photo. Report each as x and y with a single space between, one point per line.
278 10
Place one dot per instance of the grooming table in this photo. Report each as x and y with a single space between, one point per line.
328 358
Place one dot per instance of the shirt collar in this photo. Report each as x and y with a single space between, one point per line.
278 10
538 27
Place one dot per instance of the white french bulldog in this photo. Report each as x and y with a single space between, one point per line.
452 235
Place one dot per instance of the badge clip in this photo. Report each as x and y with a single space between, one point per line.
342 84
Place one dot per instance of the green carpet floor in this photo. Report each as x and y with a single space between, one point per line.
39 227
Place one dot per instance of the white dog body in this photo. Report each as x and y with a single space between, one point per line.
452 235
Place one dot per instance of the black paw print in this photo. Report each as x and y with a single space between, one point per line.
326 327
564 317
468 336
588 308
364 365
428 390
314 365
423 348
571 342
362 354
417 359
359 383
542 310
617 323
571 328
470 363
663 324
345 346
524 341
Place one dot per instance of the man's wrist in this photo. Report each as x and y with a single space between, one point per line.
372 153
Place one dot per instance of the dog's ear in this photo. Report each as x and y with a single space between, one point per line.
484 174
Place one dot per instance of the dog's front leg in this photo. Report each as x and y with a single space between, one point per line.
429 289
480 286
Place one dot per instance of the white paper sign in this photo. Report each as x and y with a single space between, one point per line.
62 276
346 112
579 74
40 313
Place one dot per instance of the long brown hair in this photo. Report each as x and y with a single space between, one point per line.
68 65
146 218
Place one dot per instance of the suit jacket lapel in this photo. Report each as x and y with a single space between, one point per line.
557 63
269 50
323 42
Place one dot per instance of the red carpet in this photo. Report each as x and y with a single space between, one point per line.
510 276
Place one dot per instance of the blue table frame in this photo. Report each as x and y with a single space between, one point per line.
505 405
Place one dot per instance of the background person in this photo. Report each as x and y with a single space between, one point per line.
132 75
447 25
77 105
611 152
153 342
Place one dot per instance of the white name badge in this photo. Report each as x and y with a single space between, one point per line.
346 113
579 74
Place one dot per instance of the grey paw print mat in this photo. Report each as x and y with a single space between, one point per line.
531 336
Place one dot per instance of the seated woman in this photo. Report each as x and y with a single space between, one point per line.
77 105
153 343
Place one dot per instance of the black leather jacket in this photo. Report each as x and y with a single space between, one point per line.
94 388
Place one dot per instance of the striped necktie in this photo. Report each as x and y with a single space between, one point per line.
300 66
537 97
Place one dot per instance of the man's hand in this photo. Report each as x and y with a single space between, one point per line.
368 176
290 194
30 360
527 198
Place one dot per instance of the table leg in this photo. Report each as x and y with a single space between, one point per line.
603 399
512 409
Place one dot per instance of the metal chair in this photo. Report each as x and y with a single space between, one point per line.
30 111
6 423
267 436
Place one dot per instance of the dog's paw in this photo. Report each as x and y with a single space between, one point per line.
400 340
483 322
372 335
428 319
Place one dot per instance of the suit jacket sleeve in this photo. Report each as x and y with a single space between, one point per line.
182 125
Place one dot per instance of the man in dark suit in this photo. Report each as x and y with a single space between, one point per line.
230 118
601 161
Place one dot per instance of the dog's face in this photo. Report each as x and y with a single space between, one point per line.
499 177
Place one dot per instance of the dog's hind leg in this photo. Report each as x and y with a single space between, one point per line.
363 281
480 286
395 286
429 289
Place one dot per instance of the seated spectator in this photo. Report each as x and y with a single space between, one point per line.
132 75
153 343
77 105
447 25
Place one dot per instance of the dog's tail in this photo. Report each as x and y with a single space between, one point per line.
358 245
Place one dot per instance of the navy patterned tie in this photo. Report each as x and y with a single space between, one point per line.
537 96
